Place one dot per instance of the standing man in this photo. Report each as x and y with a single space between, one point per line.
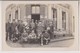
36 23
51 30
40 27
13 27
32 25
20 26
8 30
46 37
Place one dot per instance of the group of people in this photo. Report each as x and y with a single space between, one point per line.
18 30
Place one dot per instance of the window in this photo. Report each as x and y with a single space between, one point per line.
55 18
63 20
16 14
35 9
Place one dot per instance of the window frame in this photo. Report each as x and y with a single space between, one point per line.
16 14
63 19
55 18
35 9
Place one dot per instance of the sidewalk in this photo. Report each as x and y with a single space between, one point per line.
62 38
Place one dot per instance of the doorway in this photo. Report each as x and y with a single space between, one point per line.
35 15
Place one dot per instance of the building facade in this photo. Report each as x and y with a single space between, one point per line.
60 14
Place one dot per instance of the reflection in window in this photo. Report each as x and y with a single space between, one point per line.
35 9
63 20
55 18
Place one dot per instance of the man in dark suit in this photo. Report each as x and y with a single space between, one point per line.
20 26
45 38
8 30
32 25
13 27
51 30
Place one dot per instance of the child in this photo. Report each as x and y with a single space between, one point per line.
40 27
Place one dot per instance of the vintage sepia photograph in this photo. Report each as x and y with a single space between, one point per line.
40 25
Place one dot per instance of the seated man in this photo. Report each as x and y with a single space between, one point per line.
32 36
45 38
24 36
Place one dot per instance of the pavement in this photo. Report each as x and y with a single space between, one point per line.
57 42
62 38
